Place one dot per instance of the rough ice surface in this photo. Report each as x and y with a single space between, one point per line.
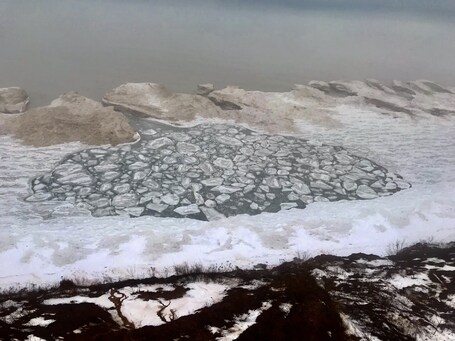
243 171
43 241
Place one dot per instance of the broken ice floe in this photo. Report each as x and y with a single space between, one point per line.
208 172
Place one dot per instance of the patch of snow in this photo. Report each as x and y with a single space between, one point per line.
286 308
242 323
450 301
34 338
39 321
253 285
434 260
437 320
441 268
9 304
102 301
401 282
145 313
17 314
341 273
318 273
440 334
200 295
376 262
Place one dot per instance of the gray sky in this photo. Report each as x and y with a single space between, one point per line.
53 46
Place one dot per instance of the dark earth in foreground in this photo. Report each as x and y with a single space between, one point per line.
409 295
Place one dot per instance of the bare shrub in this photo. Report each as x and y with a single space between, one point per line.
188 269
301 256
198 268
396 247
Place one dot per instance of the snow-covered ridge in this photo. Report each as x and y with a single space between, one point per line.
277 111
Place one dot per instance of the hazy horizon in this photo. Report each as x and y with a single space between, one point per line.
90 46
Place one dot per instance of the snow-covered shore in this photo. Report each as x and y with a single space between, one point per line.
41 243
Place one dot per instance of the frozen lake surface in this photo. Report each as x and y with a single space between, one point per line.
41 242
90 46
50 46
209 172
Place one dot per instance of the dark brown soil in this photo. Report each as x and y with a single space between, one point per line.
318 293
313 313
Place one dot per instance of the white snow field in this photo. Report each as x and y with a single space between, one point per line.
43 242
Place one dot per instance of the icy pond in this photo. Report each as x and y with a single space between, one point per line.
50 46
